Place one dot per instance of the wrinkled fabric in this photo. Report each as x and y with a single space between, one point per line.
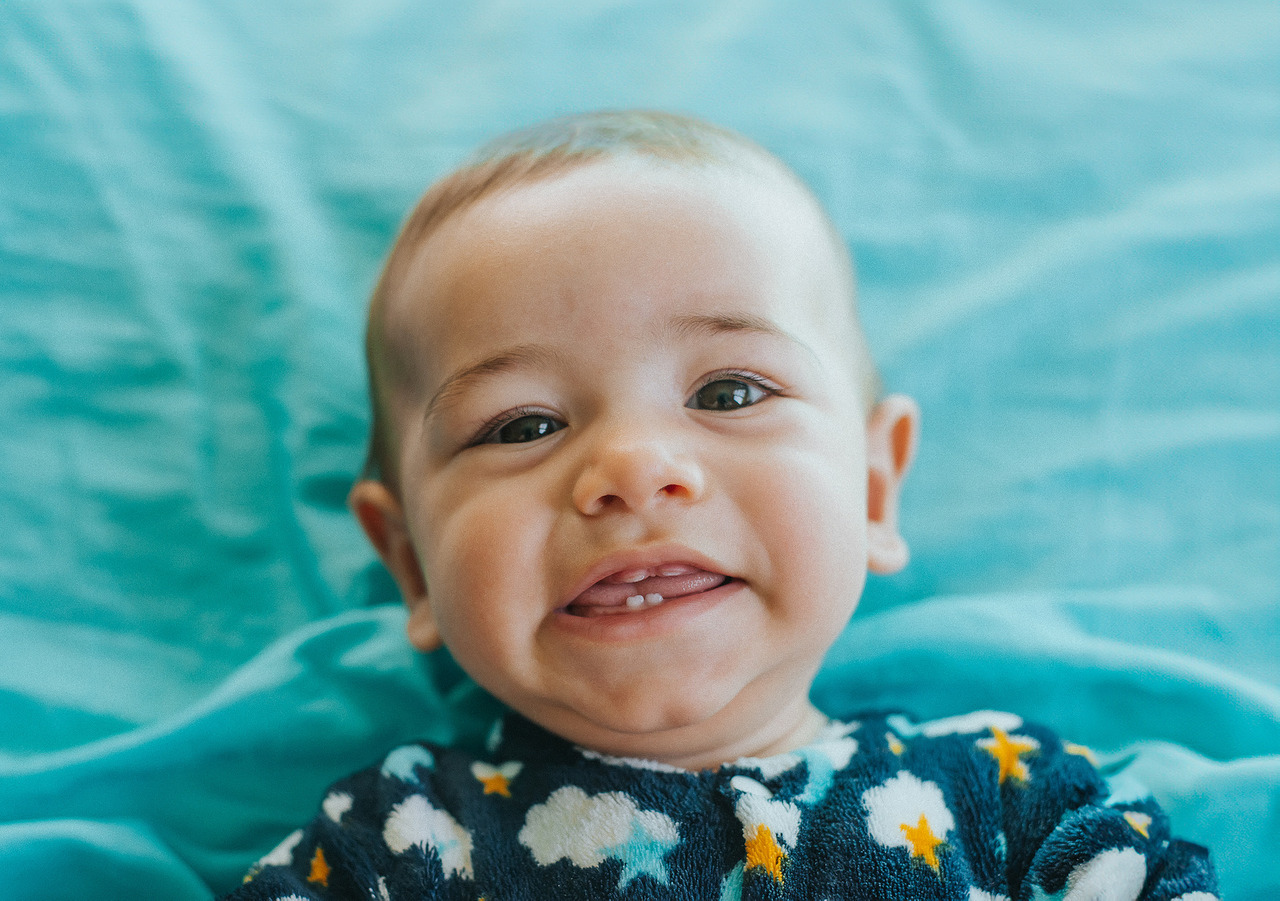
1064 220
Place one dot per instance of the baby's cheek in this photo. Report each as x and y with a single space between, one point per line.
817 533
489 548
819 498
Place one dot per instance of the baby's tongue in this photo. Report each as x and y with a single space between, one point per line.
612 592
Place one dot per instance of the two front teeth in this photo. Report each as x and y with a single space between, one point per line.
637 601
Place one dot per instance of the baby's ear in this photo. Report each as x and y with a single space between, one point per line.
380 515
892 432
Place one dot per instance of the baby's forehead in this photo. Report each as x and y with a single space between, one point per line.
633 217
753 209
748 201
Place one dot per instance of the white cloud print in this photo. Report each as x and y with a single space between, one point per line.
415 823
965 724
587 830
756 807
1116 874
909 813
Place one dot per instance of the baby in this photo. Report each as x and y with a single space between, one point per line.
630 464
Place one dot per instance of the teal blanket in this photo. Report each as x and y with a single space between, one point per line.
1065 219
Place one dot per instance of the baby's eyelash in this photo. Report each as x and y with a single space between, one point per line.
491 426
766 385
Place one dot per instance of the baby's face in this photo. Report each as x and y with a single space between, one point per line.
632 456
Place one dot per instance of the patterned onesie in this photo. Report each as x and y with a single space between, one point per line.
978 807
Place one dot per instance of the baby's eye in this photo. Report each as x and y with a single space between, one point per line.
727 394
522 429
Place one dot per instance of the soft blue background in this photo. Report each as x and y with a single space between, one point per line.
1067 222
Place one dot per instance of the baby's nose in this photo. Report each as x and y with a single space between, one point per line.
633 472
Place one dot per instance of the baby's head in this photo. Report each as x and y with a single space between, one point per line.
629 463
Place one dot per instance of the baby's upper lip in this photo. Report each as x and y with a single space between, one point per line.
653 560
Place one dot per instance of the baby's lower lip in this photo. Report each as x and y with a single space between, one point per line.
622 598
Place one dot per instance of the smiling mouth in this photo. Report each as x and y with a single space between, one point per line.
634 590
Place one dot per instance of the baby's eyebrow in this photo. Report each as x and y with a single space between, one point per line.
511 358
697 324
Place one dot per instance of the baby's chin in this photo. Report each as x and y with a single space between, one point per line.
688 733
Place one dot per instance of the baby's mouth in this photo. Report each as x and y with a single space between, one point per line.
633 590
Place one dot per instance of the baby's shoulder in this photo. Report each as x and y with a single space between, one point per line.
1003 745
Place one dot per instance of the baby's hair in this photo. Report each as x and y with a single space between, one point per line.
543 151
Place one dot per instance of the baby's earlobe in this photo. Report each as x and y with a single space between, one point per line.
887 551
423 632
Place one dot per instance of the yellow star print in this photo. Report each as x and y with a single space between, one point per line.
1008 753
319 869
764 851
923 842
1080 751
1138 821
496 780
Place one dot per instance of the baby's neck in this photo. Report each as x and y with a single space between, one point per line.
789 735
803 734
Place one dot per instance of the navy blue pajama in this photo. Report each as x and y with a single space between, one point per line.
977 807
